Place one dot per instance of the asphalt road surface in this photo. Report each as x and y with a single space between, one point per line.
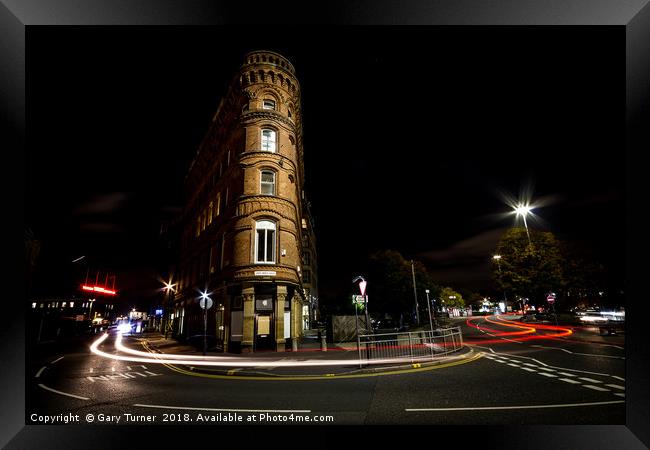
518 374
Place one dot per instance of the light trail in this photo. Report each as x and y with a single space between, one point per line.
221 361
562 331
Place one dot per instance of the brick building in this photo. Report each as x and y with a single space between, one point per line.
245 227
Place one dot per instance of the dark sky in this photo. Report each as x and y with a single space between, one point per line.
410 134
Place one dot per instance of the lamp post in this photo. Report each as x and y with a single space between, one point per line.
497 258
429 309
205 303
415 294
523 211
91 301
169 288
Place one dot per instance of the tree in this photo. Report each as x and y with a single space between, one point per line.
451 298
529 271
390 284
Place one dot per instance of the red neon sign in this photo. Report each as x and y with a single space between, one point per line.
98 289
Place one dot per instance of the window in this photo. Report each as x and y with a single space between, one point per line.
268 104
305 258
265 242
210 207
306 276
267 183
217 209
268 140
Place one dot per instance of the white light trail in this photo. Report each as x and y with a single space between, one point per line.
222 361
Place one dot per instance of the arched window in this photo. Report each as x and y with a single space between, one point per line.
265 241
268 104
267 182
268 140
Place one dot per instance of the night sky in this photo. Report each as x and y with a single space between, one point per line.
410 137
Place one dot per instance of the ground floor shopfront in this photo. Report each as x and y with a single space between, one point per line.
244 317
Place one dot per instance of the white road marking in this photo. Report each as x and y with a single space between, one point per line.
595 355
499 361
616 386
479 408
562 368
57 360
618 378
529 364
514 365
547 369
567 374
128 368
568 380
91 370
589 379
38 374
526 368
225 410
619 394
63 393
595 388
547 374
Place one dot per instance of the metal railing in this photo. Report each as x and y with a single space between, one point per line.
413 345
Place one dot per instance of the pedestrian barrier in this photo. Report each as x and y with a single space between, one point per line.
412 346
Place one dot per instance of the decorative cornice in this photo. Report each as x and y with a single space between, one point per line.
266 114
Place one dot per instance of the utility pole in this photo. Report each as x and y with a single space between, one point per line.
415 294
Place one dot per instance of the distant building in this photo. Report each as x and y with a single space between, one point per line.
246 235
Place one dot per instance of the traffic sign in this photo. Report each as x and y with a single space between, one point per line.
202 302
550 298
362 286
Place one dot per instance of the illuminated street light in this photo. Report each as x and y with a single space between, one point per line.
497 258
523 211
206 304
169 288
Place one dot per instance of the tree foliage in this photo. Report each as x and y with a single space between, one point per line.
390 284
451 298
529 270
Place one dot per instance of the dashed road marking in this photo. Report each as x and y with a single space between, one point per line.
547 369
618 378
514 365
619 394
595 388
57 360
617 386
38 374
529 370
568 380
591 380
567 374
547 374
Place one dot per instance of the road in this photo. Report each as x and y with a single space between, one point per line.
519 374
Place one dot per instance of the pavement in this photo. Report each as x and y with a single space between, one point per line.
344 357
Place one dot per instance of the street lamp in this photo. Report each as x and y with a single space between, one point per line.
497 258
206 303
429 309
523 211
169 288
91 308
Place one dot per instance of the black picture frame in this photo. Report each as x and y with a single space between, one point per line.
16 17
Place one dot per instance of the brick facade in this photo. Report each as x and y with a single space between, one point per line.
243 235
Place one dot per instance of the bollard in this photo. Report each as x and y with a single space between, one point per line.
323 341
